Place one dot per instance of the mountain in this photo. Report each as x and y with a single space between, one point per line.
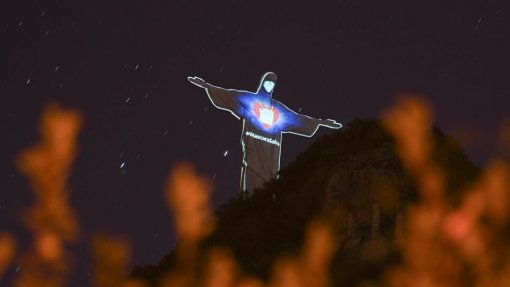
352 178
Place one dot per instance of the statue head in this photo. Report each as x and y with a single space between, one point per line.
267 83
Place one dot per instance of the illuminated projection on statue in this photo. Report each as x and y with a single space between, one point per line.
264 121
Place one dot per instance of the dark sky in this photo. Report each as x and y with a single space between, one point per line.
124 65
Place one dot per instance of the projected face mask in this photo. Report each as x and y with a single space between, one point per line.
268 86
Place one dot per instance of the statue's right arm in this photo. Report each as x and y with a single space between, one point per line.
198 82
221 98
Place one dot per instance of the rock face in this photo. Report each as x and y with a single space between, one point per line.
354 178
365 197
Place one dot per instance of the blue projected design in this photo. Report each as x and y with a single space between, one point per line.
264 122
268 115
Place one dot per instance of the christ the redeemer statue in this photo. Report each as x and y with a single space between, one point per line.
264 121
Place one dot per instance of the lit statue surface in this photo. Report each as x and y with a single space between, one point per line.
264 121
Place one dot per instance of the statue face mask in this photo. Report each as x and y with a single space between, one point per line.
268 86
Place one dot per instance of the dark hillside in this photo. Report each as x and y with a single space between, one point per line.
352 178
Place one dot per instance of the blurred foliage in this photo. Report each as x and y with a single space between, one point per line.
389 203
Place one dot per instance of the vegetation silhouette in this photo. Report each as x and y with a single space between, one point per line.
358 208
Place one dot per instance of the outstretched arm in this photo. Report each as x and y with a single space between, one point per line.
198 82
332 124
221 98
307 126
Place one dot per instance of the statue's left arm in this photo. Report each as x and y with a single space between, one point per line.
307 126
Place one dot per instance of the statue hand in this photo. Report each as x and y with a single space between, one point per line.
331 124
198 82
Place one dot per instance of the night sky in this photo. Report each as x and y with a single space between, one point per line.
124 65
